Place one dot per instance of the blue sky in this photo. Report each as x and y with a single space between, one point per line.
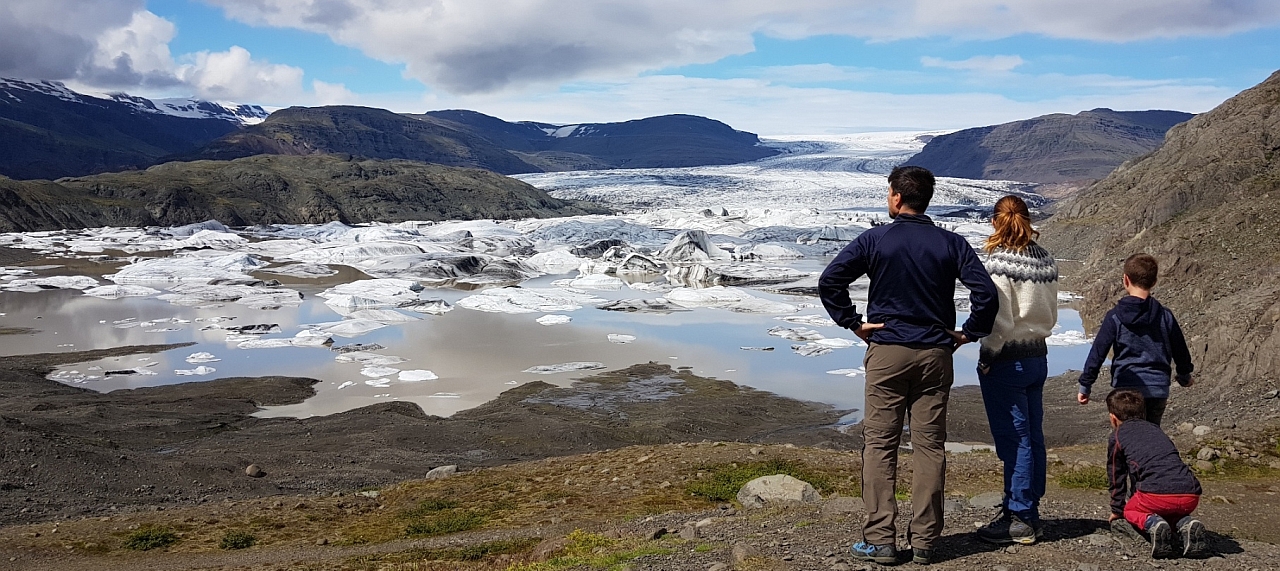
814 66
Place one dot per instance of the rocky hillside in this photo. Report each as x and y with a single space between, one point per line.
654 142
49 131
1207 205
1051 149
274 189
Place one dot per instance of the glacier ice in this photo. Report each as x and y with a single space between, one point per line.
564 368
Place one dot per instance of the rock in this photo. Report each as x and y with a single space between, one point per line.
1208 454
1100 540
987 500
953 505
841 505
1186 427
1201 430
322 541
778 489
689 532
1087 567
442 472
742 552
704 522
254 471
657 533
718 567
548 549
1204 465
1271 394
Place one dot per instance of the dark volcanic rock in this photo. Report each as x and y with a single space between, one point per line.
1207 205
274 189
1056 148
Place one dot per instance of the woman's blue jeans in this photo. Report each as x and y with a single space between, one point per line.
1013 392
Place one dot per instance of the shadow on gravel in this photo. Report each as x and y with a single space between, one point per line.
961 545
1223 545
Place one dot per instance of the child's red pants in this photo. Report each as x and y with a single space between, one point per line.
1171 507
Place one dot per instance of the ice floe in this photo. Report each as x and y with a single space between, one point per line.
33 285
527 300
116 291
300 270
415 375
656 305
732 299
554 319
201 357
365 294
1067 338
198 371
564 368
813 320
192 268
620 338
378 371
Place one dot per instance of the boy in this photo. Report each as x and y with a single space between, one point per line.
1145 338
1142 459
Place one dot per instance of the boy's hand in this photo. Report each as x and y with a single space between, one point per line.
1083 399
1114 517
1186 380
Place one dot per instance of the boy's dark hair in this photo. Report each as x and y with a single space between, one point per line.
1142 270
915 184
1126 404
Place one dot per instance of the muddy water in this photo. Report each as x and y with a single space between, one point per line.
476 355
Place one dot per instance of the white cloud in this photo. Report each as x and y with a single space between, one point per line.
332 94
984 64
469 46
235 75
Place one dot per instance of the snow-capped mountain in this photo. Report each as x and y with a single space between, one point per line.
241 113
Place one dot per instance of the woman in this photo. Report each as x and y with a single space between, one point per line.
1013 365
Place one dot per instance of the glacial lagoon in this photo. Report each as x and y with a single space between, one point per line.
714 278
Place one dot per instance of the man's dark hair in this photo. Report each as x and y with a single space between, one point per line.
915 184
1142 270
1126 404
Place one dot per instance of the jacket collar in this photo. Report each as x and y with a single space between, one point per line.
913 219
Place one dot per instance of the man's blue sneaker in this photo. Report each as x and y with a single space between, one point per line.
884 554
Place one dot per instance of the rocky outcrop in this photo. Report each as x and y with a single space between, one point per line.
1207 205
1057 148
274 189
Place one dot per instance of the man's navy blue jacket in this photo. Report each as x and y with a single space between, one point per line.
913 266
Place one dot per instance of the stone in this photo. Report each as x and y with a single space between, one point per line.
1271 394
657 533
1208 454
322 541
1186 427
987 500
778 489
841 505
742 552
1204 466
548 549
1201 430
1087 567
442 472
718 567
1100 540
689 532
954 505
254 471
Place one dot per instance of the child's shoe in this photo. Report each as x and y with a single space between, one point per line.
921 556
1194 541
1008 528
1162 546
883 554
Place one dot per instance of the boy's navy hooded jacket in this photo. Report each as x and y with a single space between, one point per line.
913 266
1145 338
1141 458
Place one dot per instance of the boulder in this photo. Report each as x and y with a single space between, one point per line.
442 472
778 489
254 471
987 500
743 552
1201 430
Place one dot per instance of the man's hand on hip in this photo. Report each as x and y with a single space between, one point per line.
960 339
865 330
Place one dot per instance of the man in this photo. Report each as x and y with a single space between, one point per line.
910 334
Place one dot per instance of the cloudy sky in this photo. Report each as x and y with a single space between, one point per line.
795 67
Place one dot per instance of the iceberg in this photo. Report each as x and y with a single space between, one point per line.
369 359
201 357
201 370
813 320
33 285
300 270
620 338
381 292
416 375
434 306
796 334
378 371
691 246
348 327
656 305
564 368
554 319
732 299
554 262
191 268
116 291
527 300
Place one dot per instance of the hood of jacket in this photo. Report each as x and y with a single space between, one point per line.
1135 311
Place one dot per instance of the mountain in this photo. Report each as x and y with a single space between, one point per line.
274 189
364 132
654 142
1207 205
239 113
50 131
1051 149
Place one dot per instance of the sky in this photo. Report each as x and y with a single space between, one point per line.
775 68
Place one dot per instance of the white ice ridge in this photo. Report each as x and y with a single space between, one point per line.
1067 338
527 300
564 368
201 370
116 291
730 298
554 319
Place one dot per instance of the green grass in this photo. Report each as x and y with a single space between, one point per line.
725 480
1090 478
150 537
476 552
444 522
594 551
237 539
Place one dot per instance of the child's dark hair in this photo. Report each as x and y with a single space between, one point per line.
1126 404
1142 270
915 184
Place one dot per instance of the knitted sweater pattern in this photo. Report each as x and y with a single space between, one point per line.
1027 284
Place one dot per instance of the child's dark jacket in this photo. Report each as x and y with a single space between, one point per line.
1140 457
1146 338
